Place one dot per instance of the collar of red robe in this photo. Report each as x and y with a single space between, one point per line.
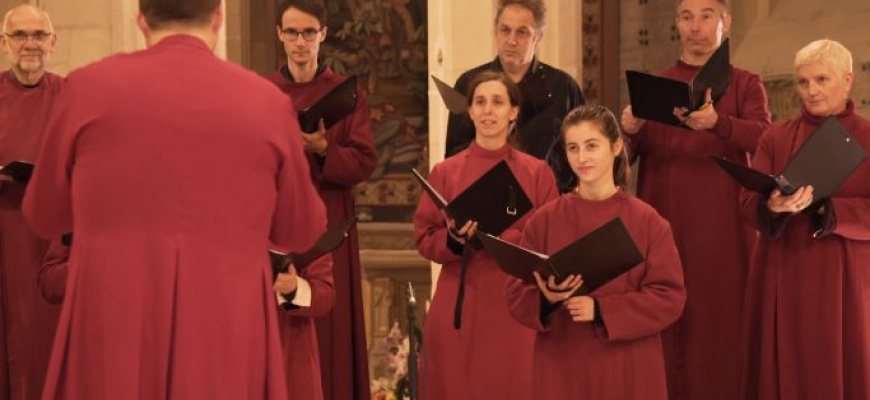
18 83
817 120
321 68
183 39
474 149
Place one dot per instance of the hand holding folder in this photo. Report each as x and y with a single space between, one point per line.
598 257
824 161
655 97
333 107
18 171
327 242
495 201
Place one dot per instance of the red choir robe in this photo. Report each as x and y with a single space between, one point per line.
701 202
808 298
621 359
177 186
490 356
298 337
350 159
27 322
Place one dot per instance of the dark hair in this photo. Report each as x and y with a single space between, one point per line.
537 7
486 76
604 119
315 8
161 12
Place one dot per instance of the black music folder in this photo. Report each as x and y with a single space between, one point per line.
654 97
329 241
496 200
825 161
456 102
333 107
599 257
19 171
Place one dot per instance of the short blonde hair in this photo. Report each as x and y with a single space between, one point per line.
826 51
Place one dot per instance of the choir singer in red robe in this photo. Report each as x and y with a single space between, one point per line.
808 295
490 356
607 345
27 94
677 178
174 186
339 158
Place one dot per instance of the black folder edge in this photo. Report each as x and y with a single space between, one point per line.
497 249
695 94
328 241
303 115
19 171
751 179
433 194
455 102
759 182
722 56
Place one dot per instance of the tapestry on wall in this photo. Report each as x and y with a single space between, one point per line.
383 42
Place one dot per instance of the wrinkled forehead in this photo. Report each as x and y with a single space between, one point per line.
28 20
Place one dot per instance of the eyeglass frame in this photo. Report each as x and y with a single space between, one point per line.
292 34
24 37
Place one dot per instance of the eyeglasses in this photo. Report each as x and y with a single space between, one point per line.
309 34
22 36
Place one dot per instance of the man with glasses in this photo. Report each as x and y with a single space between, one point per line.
677 177
339 158
547 93
27 93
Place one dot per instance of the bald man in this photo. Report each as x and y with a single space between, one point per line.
27 92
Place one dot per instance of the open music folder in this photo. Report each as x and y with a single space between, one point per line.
599 257
496 200
825 161
329 241
333 107
654 97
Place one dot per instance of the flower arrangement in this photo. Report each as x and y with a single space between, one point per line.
394 385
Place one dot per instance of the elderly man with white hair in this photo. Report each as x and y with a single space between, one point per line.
808 296
27 93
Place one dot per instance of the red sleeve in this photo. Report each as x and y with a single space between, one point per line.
300 217
851 217
745 129
430 228
47 203
53 272
661 297
319 277
524 300
351 159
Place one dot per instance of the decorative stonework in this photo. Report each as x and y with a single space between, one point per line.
592 60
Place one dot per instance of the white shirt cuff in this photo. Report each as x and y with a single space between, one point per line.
303 294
